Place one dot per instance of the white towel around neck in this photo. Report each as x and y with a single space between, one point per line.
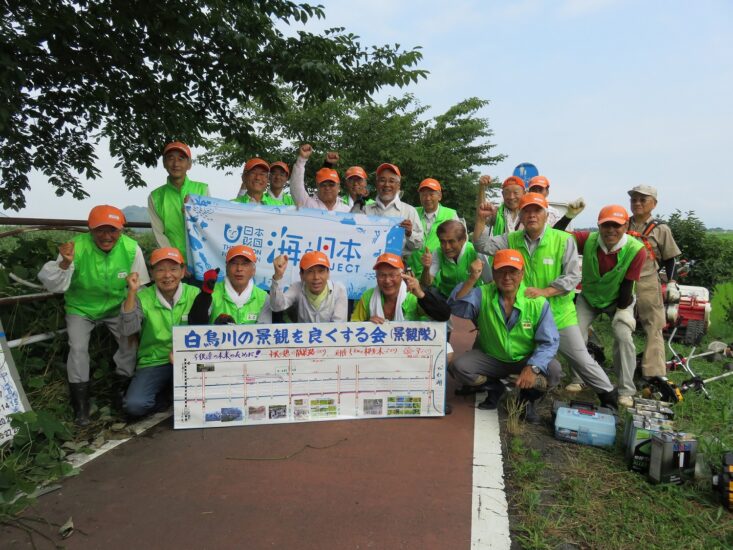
375 304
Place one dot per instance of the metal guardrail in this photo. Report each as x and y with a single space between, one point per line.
59 223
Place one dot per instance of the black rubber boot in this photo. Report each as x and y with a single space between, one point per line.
609 399
79 393
119 388
530 398
494 391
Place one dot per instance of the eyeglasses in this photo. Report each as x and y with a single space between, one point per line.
390 181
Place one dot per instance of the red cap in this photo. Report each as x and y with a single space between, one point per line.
613 213
513 180
533 198
387 166
254 162
327 174
280 164
313 258
356 171
429 183
541 181
177 146
168 253
241 250
508 257
105 215
390 259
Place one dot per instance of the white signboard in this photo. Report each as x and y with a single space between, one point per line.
352 242
12 396
240 375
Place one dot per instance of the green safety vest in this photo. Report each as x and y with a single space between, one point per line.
168 204
543 267
451 273
600 291
285 198
409 306
499 222
345 200
432 242
245 315
156 333
99 285
493 337
267 200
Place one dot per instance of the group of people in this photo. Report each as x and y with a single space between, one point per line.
516 281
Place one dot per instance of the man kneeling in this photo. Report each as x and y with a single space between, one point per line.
517 335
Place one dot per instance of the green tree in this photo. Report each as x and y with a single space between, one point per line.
448 147
142 73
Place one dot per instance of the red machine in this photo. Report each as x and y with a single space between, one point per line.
688 309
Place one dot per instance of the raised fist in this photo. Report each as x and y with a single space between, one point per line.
133 281
305 150
484 180
67 253
575 207
332 157
280 264
210 278
486 211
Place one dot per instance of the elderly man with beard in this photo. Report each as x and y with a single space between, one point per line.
551 271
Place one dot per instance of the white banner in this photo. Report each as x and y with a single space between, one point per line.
239 375
351 241
12 396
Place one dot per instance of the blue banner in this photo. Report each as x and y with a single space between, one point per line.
351 241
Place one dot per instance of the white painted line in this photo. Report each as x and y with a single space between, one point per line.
77 460
490 513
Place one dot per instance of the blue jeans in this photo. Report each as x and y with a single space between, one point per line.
147 384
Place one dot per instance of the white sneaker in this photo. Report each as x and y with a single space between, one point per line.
626 401
575 387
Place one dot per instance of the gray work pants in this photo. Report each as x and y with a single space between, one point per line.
468 366
79 330
624 352
572 346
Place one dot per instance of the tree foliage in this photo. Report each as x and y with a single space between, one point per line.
448 147
143 73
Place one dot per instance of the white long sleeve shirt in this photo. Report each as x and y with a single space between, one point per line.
333 309
301 196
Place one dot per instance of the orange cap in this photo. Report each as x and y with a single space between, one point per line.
542 181
429 183
255 162
533 198
387 166
327 174
241 250
313 258
106 215
281 164
392 260
356 171
513 180
167 253
177 146
508 257
613 213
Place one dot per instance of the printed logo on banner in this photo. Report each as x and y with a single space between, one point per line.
352 242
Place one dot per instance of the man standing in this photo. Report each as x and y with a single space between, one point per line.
153 312
506 218
356 186
612 263
279 174
661 252
255 177
327 184
552 271
165 204
91 272
388 204
517 335
431 214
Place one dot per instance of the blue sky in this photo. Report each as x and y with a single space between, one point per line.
601 95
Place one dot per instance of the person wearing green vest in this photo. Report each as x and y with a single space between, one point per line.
398 296
431 215
165 204
612 263
450 264
237 301
279 174
517 335
152 313
552 271
255 177
505 219
91 272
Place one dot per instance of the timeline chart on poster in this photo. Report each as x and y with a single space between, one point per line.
228 375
